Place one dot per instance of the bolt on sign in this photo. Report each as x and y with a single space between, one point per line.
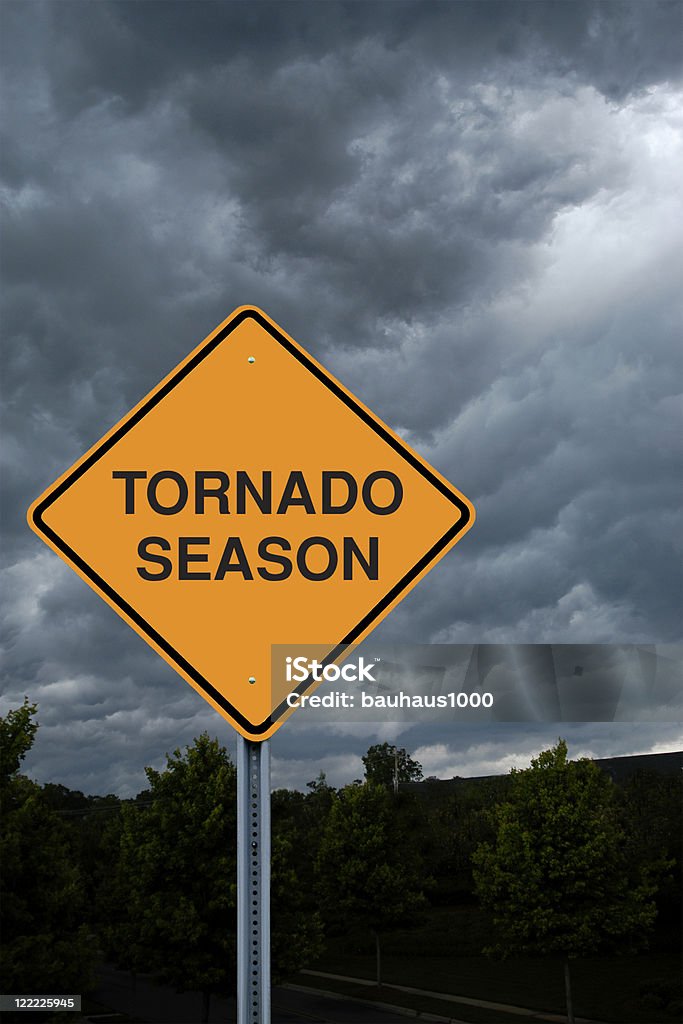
248 500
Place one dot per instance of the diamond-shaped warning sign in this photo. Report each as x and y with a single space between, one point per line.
250 500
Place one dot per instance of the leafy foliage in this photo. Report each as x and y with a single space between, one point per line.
369 870
385 763
296 927
175 886
45 945
17 732
652 811
454 824
171 907
556 878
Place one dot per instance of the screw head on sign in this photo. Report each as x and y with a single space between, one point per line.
251 359
252 680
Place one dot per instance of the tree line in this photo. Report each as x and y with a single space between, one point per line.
563 862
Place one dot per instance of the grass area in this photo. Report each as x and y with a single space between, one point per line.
438 956
421 1004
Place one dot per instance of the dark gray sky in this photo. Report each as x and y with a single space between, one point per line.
469 212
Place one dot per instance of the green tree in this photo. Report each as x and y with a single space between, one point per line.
171 905
45 944
368 869
321 793
299 820
92 825
456 820
556 877
296 927
174 893
386 765
652 811
17 732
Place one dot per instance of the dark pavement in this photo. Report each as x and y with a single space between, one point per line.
141 997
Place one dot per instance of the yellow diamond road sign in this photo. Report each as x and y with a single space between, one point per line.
250 500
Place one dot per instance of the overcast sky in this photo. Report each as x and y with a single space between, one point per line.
469 212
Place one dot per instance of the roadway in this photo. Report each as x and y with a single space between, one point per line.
142 998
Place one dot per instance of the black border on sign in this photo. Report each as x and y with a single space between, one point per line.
154 400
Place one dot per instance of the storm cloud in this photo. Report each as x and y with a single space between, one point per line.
470 213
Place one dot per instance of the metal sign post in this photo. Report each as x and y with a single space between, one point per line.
253 882
152 543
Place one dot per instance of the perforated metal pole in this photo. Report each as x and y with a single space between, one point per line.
253 882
